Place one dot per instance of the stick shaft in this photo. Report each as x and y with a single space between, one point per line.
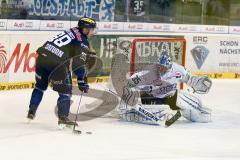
78 110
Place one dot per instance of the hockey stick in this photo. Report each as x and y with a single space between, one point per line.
109 90
74 127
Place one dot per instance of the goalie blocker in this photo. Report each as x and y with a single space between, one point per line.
160 99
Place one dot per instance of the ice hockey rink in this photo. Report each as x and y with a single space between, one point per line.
112 139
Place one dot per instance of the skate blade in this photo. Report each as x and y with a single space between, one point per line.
28 121
63 126
77 131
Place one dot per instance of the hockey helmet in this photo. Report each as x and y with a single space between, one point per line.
85 22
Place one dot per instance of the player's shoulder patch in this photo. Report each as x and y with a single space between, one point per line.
78 34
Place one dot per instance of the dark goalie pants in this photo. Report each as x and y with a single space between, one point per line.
62 84
150 100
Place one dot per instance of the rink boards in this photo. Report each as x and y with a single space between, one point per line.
215 55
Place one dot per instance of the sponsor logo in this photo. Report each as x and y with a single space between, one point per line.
60 25
166 28
83 56
200 39
18 58
183 28
2 24
23 24
110 26
16 86
237 75
132 26
29 24
107 26
135 26
148 114
199 54
214 29
3 57
220 29
218 75
19 25
50 25
157 27
187 28
55 25
193 28
236 30
115 26
140 26
210 29
108 47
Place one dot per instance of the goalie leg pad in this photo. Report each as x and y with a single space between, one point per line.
148 114
192 109
130 96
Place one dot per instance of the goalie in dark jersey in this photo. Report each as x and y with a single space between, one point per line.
53 66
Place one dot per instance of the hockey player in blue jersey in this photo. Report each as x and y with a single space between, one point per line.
53 66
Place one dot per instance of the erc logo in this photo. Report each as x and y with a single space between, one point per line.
199 54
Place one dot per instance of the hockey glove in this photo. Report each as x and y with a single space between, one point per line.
83 86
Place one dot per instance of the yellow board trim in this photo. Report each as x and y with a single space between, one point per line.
223 75
29 85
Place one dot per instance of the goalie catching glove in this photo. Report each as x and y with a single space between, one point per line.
200 84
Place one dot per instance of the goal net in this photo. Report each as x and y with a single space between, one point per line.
147 50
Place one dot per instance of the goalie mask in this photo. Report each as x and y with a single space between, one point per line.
165 62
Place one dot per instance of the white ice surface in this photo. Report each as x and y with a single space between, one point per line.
115 140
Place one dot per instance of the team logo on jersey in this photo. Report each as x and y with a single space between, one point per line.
199 54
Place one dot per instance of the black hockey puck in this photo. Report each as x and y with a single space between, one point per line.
88 132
